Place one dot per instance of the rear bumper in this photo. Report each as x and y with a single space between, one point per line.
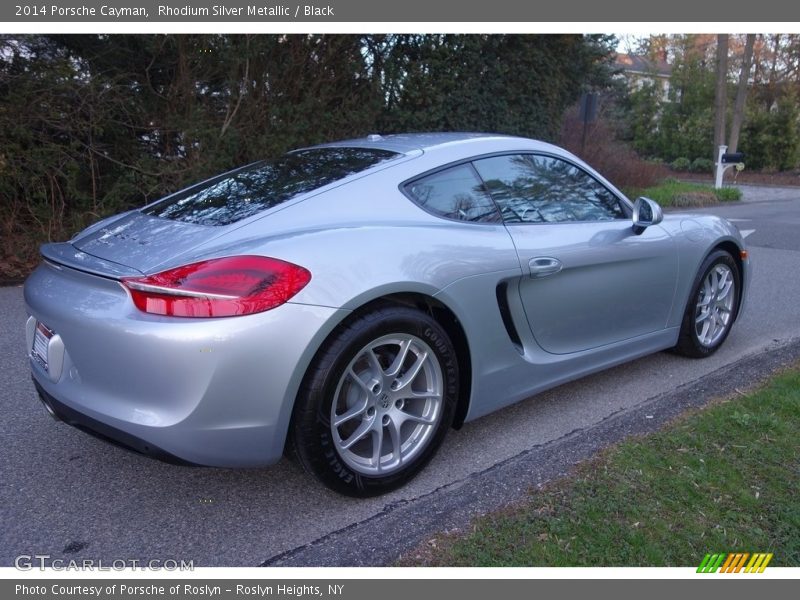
214 392
103 431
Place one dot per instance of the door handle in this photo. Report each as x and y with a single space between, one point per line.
542 266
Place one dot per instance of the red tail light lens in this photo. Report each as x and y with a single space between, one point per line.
221 287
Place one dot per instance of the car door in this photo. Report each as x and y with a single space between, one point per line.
588 280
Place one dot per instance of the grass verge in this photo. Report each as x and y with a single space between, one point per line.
724 479
672 192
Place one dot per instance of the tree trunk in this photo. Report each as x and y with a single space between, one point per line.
773 71
741 93
721 94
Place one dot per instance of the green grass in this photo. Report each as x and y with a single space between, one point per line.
723 479
671 192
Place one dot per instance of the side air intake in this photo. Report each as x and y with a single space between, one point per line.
505 313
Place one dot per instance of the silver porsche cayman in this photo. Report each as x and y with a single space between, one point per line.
351 302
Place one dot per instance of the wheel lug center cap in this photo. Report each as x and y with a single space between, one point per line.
384 401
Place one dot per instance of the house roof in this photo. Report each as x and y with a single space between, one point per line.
632 63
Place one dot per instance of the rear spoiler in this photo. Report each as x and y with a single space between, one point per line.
65 254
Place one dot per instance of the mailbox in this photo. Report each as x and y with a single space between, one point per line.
732 157
727 160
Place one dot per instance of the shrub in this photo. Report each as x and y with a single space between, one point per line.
682 194
612 158
681 164
693 199
702 165
729 194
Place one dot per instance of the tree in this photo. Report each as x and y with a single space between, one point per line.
94 124
516 84
645 108
741 93
720 93
763 117
687 119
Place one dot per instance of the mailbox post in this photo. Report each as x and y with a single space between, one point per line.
724 162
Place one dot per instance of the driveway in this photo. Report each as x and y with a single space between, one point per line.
66 494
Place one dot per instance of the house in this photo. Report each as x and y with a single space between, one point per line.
640 71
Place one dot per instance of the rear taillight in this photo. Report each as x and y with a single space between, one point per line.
221 287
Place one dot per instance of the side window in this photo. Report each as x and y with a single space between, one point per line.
529 188
455 193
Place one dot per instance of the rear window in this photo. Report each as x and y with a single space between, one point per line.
267 184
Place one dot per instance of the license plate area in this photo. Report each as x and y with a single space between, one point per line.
41 344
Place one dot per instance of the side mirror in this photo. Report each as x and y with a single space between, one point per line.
646 212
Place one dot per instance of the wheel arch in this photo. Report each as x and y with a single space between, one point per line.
447 318
315 443
426 303
735 250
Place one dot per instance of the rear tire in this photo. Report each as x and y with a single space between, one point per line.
376 402
712 307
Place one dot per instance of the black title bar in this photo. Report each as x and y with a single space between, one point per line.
443 11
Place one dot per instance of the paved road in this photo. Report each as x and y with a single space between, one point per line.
66 494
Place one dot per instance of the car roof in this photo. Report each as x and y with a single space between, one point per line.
412 143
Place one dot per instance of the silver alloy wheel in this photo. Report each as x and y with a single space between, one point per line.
714 308
388 404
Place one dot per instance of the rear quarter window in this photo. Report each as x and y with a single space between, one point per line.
267 184
454 193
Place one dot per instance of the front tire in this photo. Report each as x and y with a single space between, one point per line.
712 308
376 402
